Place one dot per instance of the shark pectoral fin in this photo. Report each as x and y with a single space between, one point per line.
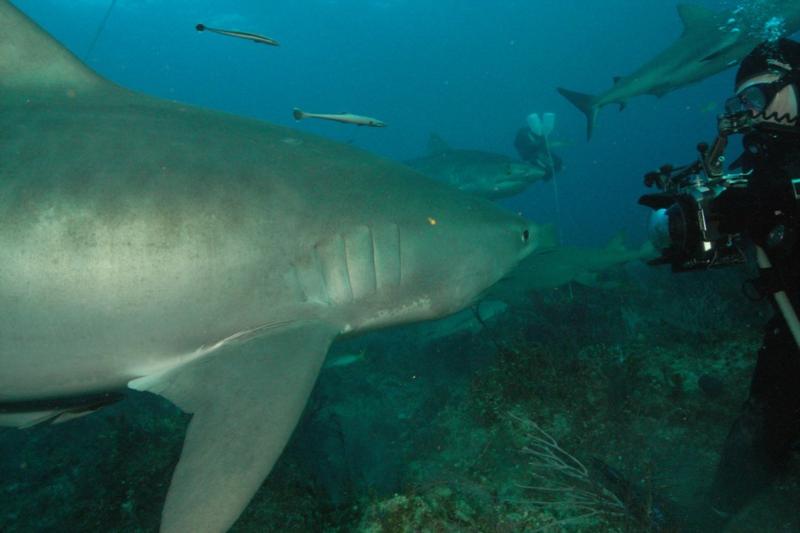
246 401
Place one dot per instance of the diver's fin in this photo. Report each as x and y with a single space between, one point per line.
32 60
548 123
695 17
246 399
586 103
535 124
437 145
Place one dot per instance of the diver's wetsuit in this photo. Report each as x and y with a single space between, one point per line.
761 440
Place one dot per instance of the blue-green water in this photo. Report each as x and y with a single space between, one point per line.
423 432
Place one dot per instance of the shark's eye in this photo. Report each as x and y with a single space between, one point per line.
525 235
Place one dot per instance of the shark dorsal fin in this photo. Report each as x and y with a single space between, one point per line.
31 60
437 145
695 17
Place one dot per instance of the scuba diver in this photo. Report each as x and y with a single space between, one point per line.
760 442
761 206
533 143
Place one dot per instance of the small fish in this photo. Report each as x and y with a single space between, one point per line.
345 359
346 118
240 34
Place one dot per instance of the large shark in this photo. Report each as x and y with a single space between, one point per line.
207 258
710 43
485 174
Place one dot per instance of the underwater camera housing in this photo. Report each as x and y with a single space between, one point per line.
683 224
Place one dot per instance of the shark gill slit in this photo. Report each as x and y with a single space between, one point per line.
336 270
399 245
359 255
375 262
347 243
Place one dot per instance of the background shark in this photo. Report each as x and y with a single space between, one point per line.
711 42
485 174
553 266
206 258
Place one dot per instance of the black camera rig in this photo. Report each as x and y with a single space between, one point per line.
683 223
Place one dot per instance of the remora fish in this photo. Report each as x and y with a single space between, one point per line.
208 258
710 43
260 39
466 321
485 174
346 118
345 359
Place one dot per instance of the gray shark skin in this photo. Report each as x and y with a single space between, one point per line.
710 43
488 175
208 258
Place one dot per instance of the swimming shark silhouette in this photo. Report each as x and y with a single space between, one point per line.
711 42
486 174
553 266
208 258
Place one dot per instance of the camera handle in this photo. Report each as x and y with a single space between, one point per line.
781 299
713 159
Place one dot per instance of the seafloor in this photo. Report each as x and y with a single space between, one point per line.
486 431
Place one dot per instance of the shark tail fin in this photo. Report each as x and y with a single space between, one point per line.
298 114
586 103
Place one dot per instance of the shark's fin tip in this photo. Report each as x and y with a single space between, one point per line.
586 103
